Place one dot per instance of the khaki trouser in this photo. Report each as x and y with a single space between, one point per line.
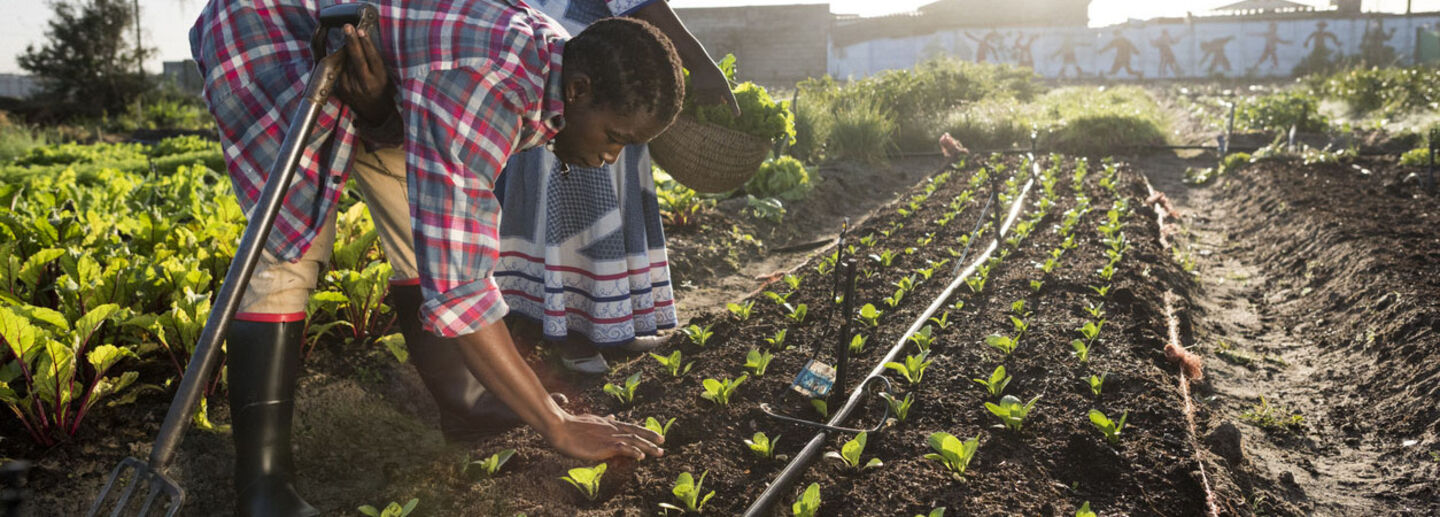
279 290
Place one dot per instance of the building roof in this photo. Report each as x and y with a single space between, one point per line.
1264 6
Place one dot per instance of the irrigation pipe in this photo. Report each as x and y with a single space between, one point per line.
801 461
1173 332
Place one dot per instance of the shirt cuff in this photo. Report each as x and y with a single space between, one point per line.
387 134
464 309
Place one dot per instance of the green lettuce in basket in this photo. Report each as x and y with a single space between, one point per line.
760 115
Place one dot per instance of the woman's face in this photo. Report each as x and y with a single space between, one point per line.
594 136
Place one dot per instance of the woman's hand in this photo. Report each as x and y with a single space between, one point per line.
366 86
712 88
595 438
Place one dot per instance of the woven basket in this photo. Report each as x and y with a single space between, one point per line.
706 157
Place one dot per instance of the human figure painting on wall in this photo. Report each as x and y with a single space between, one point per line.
987 47
1022 45
1167 54
1272 43
1067 55
1374 45
1214 51
1125 51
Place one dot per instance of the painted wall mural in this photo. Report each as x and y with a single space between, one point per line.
1202 48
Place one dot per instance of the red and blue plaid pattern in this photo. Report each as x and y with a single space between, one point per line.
477 81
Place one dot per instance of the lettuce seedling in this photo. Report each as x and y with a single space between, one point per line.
778 341
781 300
924 240
719 391
1005 344
1107 272
895 299
899 407
913 369
870 315
1021 327
1111 429
763 446
1097 384
1091 330
698 334
821 406
654 425
857 343
952 453
792 280
808 505
905 284
687 490
868 240
997 382
958 306
1011 411
797 314
884 258
673 363
391 510
923 338
1082 352
1102 291
1036 285
741 312
850 452
942 321
1096 311
976 282
489 466
1085 511
586 480
757 361
625 393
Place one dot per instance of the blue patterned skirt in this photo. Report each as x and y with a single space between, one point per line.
584 253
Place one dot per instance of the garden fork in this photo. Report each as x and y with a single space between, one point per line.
131 473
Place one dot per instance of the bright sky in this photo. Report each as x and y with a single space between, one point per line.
167 22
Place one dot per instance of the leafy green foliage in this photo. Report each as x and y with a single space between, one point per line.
857 343
850 451
393 509
688 491
798 313
673 363
1082 351
586 480
757 361
741 312
1011 411
763 446
783 177
923 338
1272 418
952 453
870 315
996 383
698 335
488 466
625 393
778 340
898 406
760 116
1005 344
1111 429
913 369
719 391
1085 511
654 425
1097 384
808 505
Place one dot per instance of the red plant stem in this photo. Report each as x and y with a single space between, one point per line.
84 404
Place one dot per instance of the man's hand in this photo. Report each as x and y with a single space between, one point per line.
366 86
712 88
595 438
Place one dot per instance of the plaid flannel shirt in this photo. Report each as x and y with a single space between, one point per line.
477 81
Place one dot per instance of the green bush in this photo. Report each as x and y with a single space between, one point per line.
1279 111
1090 121
16 140
1390 91
862 132
783 177
812 130
988 125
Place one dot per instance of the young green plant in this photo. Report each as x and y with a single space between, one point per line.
688 491
913 369
995 385
763 446
952 453
1011 411
626 393
673 363
850 451
586 480
757 361
1110 428
719 391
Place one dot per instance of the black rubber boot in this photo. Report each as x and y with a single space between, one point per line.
467 411
264 361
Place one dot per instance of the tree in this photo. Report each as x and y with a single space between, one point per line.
87 66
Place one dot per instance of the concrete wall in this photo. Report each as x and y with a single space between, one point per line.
1202 47
775 46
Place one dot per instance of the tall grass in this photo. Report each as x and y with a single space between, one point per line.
861 131
16 140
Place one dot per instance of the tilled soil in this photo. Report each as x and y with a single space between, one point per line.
1319 293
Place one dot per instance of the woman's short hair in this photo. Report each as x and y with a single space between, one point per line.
631 65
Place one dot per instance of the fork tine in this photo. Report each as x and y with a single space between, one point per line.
125 496
150 498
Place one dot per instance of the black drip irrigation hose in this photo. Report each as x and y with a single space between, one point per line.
807 454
